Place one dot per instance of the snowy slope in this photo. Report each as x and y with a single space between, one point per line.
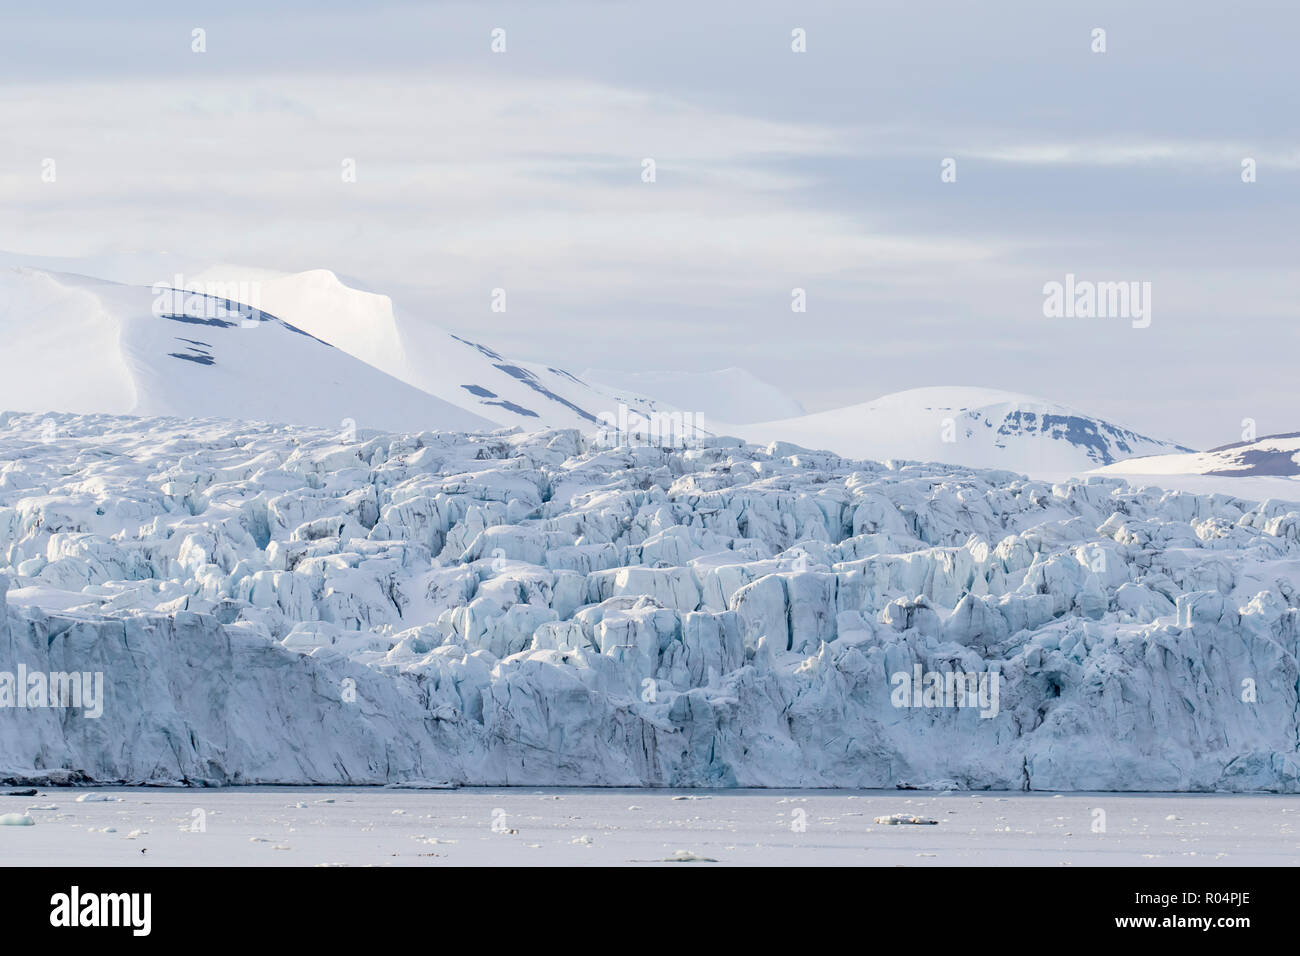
459 370
280 605
978 427
1271 456
726 395
86 345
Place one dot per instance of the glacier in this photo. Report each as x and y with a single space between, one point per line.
272 604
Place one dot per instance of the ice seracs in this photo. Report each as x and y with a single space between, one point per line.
274 604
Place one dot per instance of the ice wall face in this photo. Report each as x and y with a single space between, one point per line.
274 605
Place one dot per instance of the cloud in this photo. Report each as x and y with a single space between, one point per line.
1170 154
480 179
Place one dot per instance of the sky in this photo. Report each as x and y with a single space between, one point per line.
774 170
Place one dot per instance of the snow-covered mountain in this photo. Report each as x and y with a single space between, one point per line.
1270 456
78 344
459 370
425 373
727 395
977 427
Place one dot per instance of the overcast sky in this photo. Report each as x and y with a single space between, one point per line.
775 170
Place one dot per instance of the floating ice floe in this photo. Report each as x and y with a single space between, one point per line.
895 819
687 856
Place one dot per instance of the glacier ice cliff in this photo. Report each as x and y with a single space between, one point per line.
286 605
